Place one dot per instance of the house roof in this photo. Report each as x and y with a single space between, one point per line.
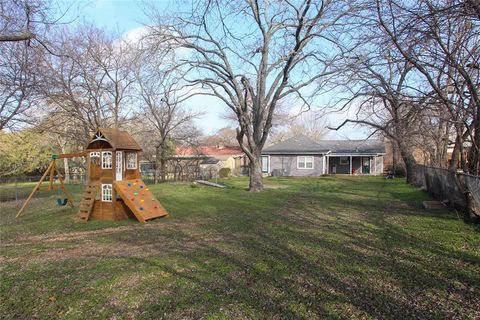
116 138
298 144
304 145
210 151
353 146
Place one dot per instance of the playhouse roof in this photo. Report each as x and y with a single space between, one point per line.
116 138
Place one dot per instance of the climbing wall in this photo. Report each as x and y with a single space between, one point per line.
139 199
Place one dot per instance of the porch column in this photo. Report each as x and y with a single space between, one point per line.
374 166
351 165
328 165
361 164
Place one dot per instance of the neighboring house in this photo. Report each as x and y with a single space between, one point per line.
301 156
231 157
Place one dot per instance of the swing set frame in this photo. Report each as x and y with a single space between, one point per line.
51 172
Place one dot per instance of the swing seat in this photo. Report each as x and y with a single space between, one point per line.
62 202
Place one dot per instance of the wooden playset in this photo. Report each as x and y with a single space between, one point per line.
114 190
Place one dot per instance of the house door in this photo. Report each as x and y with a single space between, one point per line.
118 166
366 165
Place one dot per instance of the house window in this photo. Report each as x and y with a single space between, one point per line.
131 160
344 160
95 158
106 160
265 163
305 162
107 192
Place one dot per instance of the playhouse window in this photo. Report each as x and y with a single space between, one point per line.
106 160
107 192
304 162
95 158
131 160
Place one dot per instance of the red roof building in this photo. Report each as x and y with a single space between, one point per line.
221 153
231 157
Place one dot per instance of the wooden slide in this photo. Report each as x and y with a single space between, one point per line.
139 199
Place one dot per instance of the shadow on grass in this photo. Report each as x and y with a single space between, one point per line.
325 248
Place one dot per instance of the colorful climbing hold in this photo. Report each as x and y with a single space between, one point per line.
133 199
141 208
129 184
141 187
153 199
142 201
147 189
135 193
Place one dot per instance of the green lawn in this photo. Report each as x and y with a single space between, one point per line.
334 247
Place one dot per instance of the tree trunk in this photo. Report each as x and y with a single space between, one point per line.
67 170
155 173
256 177
157 155
394 157
455 157
409 161
163 164
66 167
473 155
470 214
473 213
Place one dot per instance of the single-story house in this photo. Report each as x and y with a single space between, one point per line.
301 156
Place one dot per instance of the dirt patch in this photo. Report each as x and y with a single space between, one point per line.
81 235
84 244
89 249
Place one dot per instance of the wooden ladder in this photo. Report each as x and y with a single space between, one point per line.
86 205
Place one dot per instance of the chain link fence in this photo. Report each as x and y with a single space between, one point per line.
19 187
442 184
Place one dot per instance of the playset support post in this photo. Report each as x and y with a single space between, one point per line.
52 168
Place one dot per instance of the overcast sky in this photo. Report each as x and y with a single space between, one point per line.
128 18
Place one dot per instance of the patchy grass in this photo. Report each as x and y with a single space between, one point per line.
333 247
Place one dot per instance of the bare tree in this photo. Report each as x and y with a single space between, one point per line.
114 58
158 89
223 137
20 19
311 124
433 139
447 57
17 83
383 97
282 52
89 84
25 38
